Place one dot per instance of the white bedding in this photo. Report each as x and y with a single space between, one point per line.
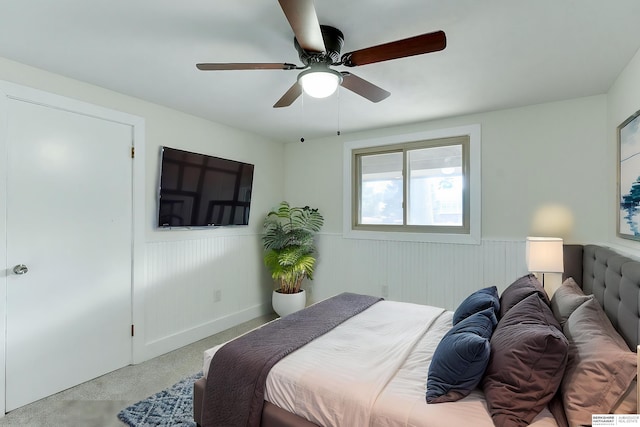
372 371
402 402
335 379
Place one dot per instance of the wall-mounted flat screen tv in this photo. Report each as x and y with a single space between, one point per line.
197 190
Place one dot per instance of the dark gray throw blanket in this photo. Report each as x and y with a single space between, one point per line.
234 394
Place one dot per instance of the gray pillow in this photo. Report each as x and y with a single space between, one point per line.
519 290
601 368
566 299
528 358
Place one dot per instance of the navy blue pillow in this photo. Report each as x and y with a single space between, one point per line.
477 301
461 358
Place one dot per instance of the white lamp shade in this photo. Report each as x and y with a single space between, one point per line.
545 255
319 84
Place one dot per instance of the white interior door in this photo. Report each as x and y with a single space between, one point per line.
69 221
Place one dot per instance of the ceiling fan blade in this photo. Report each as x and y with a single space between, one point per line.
425 43
245 66
302 17
363 88
291 95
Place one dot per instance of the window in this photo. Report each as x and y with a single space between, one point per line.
422 187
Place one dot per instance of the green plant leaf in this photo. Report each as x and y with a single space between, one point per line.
288 241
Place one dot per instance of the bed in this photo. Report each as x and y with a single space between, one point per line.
390 347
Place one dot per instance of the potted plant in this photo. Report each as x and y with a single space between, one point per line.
289 245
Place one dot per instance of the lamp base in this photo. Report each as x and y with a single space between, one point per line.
550 282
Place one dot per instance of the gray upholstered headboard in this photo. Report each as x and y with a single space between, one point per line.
614 280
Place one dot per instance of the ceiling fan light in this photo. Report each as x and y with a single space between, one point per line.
319 83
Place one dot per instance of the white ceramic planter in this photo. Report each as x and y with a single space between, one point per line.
285 304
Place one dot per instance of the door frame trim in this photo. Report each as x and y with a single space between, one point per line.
14 91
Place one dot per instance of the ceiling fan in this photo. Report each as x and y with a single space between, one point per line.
319 49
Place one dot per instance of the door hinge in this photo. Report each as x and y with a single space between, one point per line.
133 152
132 330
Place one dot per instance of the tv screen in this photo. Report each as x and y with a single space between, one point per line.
197 190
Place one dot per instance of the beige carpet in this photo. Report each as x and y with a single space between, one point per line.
97 402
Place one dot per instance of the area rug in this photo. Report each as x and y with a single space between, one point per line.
170 407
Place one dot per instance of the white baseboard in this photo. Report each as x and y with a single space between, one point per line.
177 340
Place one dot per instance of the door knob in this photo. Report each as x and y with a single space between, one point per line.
20 269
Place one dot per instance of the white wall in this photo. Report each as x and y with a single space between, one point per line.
623 100
184 269
532 157
558 153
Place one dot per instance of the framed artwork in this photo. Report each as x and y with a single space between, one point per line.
629 178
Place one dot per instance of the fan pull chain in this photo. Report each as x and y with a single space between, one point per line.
338 109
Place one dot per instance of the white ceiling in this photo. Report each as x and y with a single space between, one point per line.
500 54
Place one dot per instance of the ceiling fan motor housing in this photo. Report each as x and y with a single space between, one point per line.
333 42
321 55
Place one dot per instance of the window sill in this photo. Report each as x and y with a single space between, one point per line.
465 239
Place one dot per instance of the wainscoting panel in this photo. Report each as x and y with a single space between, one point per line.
185 279
427 273
196 288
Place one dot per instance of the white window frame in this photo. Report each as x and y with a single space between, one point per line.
474 234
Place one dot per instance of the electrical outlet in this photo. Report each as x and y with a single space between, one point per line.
217 296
